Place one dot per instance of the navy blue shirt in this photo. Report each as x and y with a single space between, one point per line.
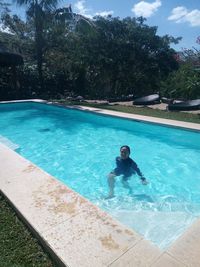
126 167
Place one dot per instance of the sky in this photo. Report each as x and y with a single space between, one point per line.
172 17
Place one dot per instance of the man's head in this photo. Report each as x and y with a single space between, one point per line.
125 152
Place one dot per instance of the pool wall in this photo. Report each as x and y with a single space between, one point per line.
76 232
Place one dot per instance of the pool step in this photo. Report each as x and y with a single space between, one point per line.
162 228
5 141
153 203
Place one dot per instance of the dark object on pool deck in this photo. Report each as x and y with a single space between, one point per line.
167 100
185 105
147 100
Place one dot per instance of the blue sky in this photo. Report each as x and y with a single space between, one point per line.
173 17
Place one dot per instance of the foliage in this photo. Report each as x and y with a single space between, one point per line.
182 84
99 58
185 82
192 56
37 11
20 41
113 58
17 246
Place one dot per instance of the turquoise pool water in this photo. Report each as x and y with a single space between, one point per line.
79 148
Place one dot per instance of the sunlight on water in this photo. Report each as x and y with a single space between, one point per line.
79 148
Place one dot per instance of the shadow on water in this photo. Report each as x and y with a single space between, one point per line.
43 130
143 197
18 150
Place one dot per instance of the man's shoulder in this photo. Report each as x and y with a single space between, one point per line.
132 161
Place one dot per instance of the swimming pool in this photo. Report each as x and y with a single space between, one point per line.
79 148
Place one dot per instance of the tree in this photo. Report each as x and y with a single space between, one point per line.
182 84
36 12
19 37
122 57
185 82
102 57
65 29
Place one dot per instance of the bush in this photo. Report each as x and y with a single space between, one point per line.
182 84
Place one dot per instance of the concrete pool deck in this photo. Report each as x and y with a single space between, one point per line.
148 119
76 232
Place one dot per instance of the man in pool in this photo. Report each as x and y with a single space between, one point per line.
126 167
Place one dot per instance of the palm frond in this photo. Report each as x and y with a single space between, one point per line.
48 5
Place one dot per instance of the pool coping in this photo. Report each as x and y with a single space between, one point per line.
141 118
76 232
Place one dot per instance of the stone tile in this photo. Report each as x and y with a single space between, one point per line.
167 261
43 200
187 248
91 238
141 255
10 163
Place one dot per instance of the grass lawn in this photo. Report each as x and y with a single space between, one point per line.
18 248
146 111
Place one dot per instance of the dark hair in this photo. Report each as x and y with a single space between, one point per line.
127 147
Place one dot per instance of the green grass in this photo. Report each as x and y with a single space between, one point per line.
18 248
146 111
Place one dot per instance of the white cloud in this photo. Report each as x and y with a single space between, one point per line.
178 14
146 9
81 9
194 17
181 14
105 13
80 6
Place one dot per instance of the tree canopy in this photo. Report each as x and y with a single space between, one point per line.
65 53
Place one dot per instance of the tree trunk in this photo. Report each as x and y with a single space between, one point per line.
39 43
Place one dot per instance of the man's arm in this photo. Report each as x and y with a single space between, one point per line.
139 173
118 162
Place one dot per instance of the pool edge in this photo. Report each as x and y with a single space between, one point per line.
146 119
